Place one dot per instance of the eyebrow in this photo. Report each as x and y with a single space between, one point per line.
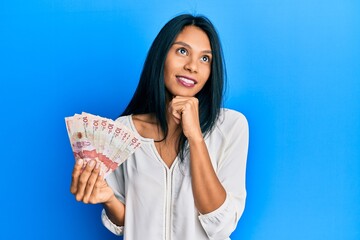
187 45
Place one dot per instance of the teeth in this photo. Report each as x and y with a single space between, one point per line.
187 80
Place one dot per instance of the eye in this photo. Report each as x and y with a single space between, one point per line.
182 51
205 58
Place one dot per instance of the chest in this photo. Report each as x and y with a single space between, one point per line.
167 150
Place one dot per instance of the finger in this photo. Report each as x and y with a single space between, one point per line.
91 182
175 109
189 106
99 184
179 99
75 175
182 105
176 115
83 179
193 100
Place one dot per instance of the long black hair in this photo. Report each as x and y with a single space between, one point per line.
151 94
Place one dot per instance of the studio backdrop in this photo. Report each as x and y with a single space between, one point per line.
292 69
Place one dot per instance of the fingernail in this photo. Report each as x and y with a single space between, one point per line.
92 163
97 165
80 162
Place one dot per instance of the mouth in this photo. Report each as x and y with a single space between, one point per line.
186 81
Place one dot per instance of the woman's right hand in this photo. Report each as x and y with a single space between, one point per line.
88 185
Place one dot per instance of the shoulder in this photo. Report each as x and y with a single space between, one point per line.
144 118
144 122
145 125
124 119
230 135
229 119
230 125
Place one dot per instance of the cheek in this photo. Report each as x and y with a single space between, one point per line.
169 65
206 72
167 70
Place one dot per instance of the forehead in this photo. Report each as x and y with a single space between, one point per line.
195 37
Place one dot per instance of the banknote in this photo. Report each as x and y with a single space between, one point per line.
94 137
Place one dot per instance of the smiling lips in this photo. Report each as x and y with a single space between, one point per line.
186 82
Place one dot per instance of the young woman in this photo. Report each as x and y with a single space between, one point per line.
187 181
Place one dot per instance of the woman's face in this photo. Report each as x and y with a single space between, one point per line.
188 62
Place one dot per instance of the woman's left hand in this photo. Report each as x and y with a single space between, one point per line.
185 111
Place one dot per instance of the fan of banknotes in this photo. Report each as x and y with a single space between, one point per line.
108 142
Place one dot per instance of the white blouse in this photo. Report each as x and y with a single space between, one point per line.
159 200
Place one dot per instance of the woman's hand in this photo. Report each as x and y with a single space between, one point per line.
185 111
88 185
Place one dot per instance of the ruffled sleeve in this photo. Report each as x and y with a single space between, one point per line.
117 230
116 181
231 168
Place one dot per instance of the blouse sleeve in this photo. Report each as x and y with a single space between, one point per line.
112 227
231 169
116 181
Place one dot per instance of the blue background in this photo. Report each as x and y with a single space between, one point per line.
293 70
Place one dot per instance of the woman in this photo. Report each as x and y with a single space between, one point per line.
187 181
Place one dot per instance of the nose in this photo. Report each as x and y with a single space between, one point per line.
191 65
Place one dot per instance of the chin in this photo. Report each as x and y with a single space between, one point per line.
185 95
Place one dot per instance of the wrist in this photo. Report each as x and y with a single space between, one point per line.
115 211
110 201
195 139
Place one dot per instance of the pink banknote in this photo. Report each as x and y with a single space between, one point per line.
108 142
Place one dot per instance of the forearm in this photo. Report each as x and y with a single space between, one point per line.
209 194
115 210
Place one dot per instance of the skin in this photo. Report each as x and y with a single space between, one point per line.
189 57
